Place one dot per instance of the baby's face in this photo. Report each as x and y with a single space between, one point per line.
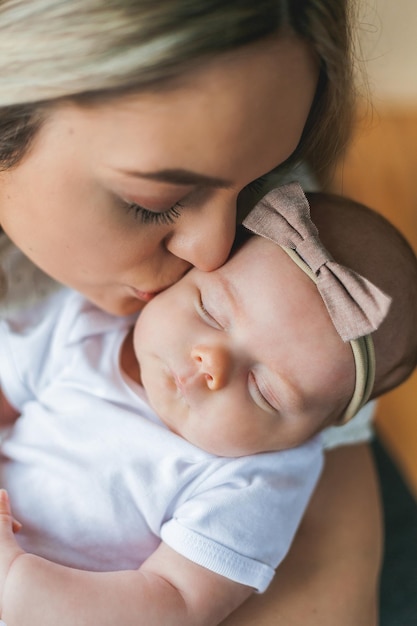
243 359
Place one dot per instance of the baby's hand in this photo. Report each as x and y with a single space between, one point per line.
9 548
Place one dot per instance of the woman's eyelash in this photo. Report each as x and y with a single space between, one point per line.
155 217
173 213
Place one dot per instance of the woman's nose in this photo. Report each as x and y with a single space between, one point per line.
214 364
204 237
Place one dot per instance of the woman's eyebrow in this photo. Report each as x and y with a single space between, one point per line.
181 177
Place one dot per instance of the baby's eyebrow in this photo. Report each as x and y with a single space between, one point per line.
181 177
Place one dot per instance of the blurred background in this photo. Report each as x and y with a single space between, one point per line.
380 170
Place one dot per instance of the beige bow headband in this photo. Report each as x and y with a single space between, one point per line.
356 306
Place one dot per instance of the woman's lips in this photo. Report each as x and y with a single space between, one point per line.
145 296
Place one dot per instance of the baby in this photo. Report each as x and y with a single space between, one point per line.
191 504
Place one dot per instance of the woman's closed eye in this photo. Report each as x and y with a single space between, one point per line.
159 218
166 217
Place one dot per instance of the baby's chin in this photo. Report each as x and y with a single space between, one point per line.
206 444
219 448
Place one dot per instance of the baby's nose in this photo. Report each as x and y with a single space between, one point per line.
214 363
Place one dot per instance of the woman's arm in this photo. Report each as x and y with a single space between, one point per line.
167 589
331 573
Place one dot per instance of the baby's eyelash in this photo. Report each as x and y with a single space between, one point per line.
256 390
207 316
155 217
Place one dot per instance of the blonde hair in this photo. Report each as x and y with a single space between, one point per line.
90 49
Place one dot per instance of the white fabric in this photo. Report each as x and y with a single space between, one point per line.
358 430
96 479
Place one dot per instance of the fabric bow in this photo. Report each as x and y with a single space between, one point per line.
356 306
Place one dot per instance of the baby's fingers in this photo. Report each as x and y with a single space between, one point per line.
6 513
16 525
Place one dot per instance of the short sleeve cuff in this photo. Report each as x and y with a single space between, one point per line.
216 557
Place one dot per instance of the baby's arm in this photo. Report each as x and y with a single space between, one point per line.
167 589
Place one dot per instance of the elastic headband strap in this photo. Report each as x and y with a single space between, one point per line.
363 356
